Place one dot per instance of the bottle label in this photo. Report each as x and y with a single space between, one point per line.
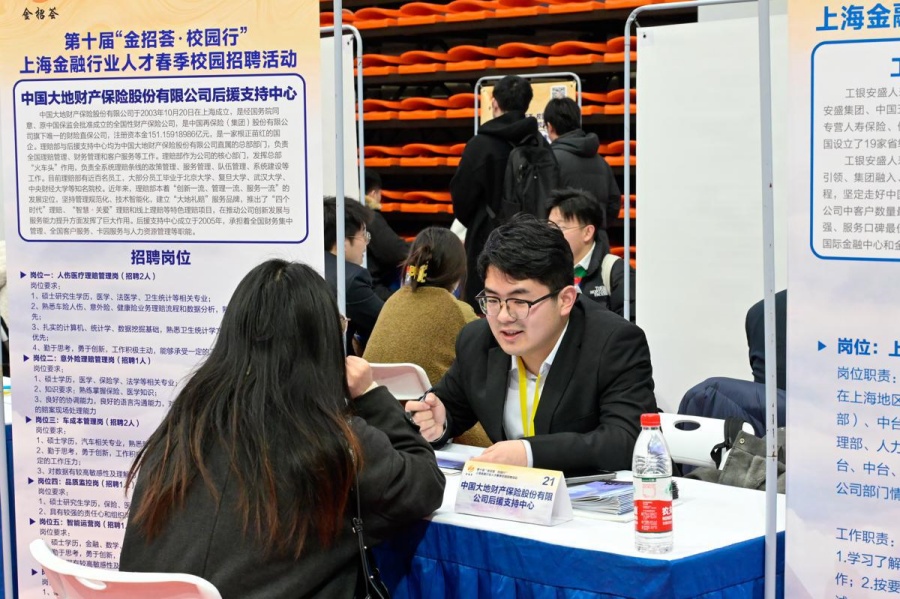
653 504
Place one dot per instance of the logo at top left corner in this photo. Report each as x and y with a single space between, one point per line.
35 10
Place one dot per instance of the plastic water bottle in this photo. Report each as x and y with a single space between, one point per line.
652 471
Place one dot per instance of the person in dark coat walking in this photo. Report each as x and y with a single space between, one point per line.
579 164
478 182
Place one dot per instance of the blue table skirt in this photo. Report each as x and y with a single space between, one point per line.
440 561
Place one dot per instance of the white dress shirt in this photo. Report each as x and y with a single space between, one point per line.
512 409
586 261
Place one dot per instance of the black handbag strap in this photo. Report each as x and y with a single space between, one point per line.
373 585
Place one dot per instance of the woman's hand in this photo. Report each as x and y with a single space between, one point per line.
359 376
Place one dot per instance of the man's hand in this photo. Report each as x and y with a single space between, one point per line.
359 376
505 452
430 416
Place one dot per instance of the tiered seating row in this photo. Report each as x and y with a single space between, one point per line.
462 106
426 155
428 13
435 202
513 55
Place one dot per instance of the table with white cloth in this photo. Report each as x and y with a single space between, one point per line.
719 553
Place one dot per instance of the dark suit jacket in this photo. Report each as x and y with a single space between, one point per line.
363 306
400 483
590 407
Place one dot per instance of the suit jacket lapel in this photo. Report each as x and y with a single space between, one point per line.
495 393
561 371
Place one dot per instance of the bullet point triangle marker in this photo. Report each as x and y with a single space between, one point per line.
821 346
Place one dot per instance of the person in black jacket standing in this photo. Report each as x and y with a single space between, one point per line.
478 182
386 251
598 274
579 164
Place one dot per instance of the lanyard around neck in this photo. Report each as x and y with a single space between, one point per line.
528 419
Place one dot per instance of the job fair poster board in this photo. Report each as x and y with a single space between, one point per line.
153 152
843 414
543 92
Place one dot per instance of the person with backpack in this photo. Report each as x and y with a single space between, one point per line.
599 274
579 164
477 188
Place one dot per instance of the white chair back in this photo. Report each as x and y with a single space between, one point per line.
73 581
691 438
405 381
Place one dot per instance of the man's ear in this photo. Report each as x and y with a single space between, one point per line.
567 298
551 132
588 233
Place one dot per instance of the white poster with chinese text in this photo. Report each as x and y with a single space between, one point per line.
152 155
843 409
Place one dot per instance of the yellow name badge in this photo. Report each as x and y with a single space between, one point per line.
513 493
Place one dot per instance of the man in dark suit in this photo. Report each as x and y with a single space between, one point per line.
557 381
363 305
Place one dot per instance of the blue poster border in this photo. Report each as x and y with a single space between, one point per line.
812 123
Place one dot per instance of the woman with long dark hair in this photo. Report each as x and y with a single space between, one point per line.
249 480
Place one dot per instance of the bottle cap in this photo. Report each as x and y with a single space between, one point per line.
650 419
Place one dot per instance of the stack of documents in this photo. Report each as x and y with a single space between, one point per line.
614 497
453 457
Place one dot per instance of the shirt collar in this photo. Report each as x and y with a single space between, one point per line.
587 257
548 361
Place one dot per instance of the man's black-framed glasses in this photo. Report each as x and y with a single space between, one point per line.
518 309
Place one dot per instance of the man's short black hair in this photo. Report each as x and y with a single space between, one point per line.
579 205
564 114
373 181
529 248
513 93
356 216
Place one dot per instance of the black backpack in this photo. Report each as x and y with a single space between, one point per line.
531 174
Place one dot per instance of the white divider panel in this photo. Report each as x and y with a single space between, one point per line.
699 210
351 173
